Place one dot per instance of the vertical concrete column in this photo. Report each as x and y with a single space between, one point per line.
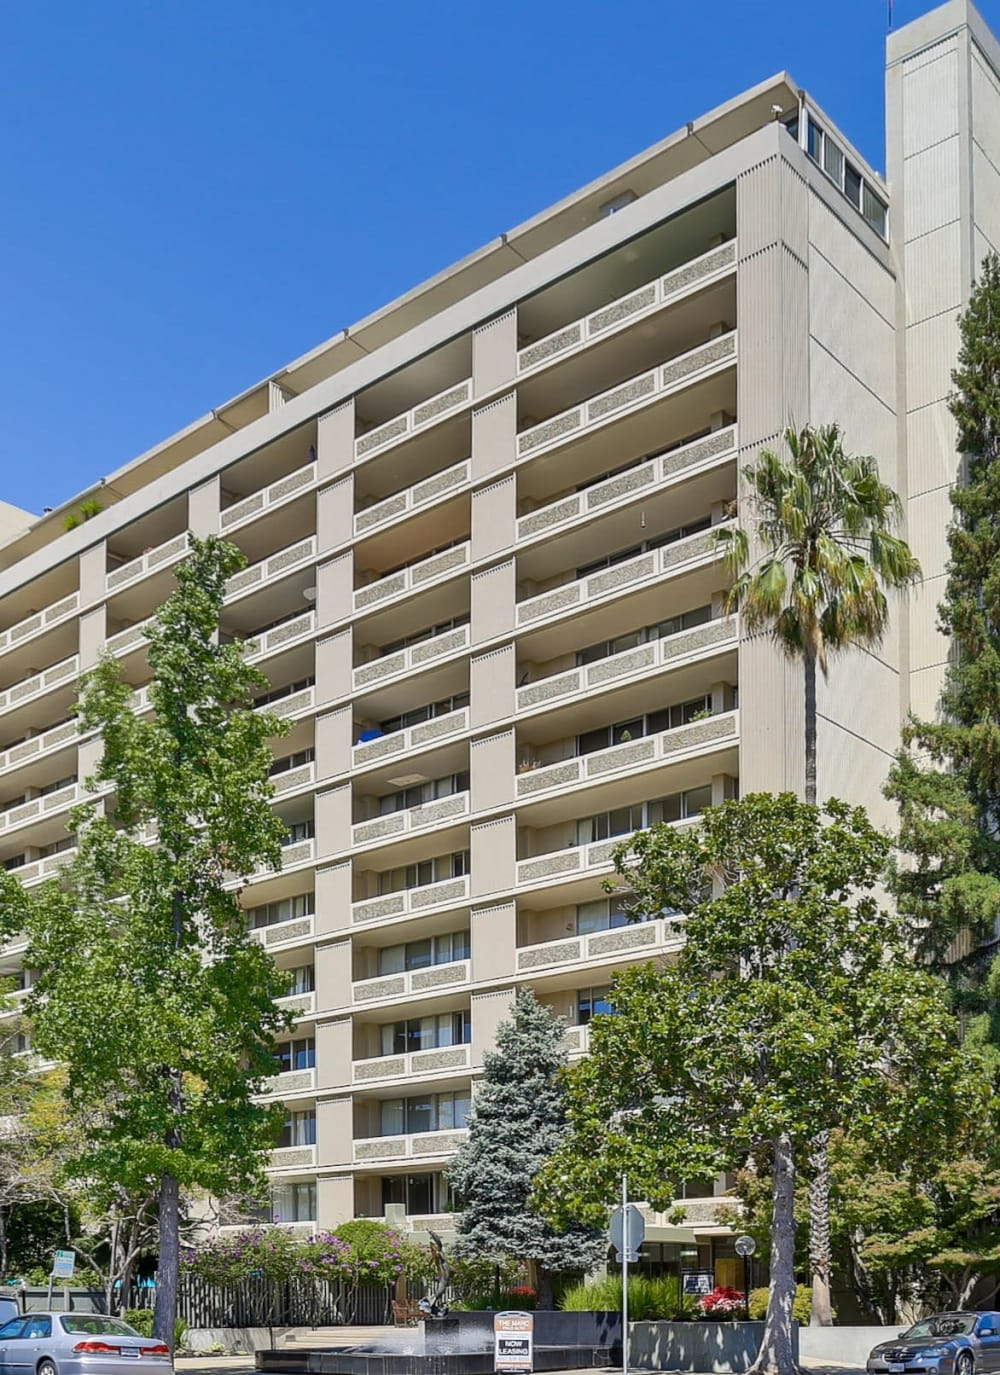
493 602
494 354
488 1011
494 518
334 1053
335 441
334 589
491 686
335 1131
204 506
724 788
494 438
491 770
333 972
333 743
494 942
334 1201
333 821
493 847
93 634
333 898
93 574
334 658
335 515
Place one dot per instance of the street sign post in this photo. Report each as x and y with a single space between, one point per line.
63 1265
513 1342
627 1229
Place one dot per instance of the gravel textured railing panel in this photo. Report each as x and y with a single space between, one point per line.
378 828
625 395
290 705
699 733
291 557
540 779
378 591
548 866
717 351
439 976
240 510
698 637
298 1003
719 442
443 809
621 757
290 1157
374 909
288 931
385 1067
548 516
633 481
440 563
294 482
536 956
600 853
681 277
393 429
371 990
451 890
529 440
621 575
426 1061
292 778
438 1143
695 548
297 853
379 511
294 1081
620 310
437 405
442 482
441 644
547 602
270 640
379 668
549 346
440 725
626 938
557 686
386 1148
370 750
618 665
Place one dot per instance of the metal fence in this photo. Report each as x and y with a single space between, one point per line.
301 1302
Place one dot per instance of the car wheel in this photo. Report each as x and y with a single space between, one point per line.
964 1364
48 1367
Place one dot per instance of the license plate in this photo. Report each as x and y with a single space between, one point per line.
896 1367
136 1352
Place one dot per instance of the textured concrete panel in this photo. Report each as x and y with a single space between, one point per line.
931 187
851 329
986 194
930 100
934 273
847 254
927 645
930 446
925 692
869 424
985 107
931 348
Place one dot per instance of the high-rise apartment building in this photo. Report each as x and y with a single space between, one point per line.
483 586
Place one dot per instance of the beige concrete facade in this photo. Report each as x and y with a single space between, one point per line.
483 587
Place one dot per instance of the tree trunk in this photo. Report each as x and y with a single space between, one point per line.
819 1231
546 1299
168 1271
777 1355
809 660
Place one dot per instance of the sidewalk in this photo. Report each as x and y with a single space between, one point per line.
350 1336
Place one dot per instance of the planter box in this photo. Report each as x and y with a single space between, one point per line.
474 1331
703 1346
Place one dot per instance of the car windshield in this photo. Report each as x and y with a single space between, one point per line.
944 1325
93 1325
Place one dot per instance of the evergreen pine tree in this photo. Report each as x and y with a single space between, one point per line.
518 1121
946 779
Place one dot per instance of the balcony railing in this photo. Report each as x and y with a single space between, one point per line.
623 487
416 656
433 978
630 663
39 684
423 493
299 703
408 1147
296 929
268 498
39 621
411 819
609 582
161 557
576 1040
409 900
279 636
291 779
420 417
628 309
629 396
131 638
575 859
268 569
646 938
645 752
38 745
293 1158
299 1004
415 577
298 852
37 807
416 1062
403 741
37 870
291 1081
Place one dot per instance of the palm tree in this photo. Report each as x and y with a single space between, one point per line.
823 521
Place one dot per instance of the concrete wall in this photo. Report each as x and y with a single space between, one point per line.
701 1346
845 1345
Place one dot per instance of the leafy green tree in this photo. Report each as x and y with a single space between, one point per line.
518 1120
823 521
946 780
149 986
793 1008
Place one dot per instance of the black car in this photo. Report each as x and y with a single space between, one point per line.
949 1343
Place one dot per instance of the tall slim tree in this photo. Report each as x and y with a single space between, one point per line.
518 1120
149 985
946 780
823 521
793 1008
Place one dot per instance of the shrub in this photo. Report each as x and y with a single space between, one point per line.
649 1298
723 1302
377 1250
801 1308
180 1331
141 1319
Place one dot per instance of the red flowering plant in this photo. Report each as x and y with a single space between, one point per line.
723 1302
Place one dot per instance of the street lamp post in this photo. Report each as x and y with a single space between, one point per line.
745 1247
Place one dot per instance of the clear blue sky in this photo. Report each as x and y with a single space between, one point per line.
195 192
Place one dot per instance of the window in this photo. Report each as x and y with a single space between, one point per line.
828 154
681 714
426 1112
680 806
424 792
298 1054
418 1193
427 871
303 979
425 713
446 949
605 914
293 761
15 862
300 830
427 1033
591 1002
285 909
660 631
294 1203
874 210
417 637
299 1130
621 821
276 694
59 783
632 550
57 847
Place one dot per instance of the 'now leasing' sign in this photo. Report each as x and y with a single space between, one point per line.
513 1336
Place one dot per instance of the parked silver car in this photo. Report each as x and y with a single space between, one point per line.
78 1344
948 1343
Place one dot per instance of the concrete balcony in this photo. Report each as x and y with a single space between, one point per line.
631 485
644 569
38 870
414 498
578 859
650 751
411 422
701 641
129 640
412 1147
293 1158
282 636
39 684
33 625
298 1004
286 932
296 704
449 563
292 1081
431 979
412 659
294 856
628 310
417 1062
637 392
576 1041
38 746
270 570
27 812
277 494
163 556
412 819
449 892
292 779
414 737
605 947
